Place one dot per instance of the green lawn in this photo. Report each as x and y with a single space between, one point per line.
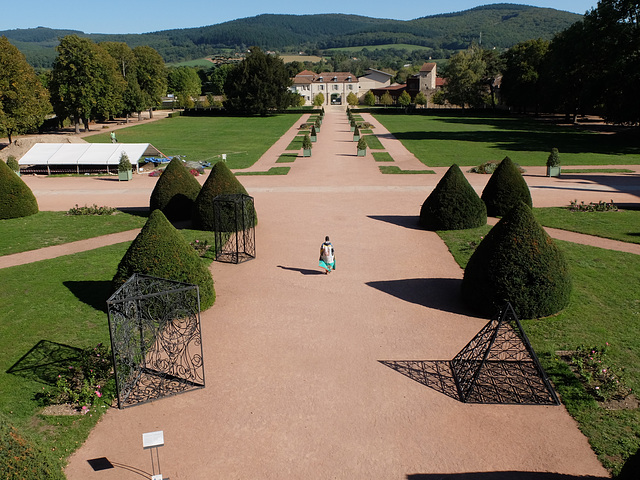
242 139
45 229
394 170
382 156
604 307
623 225
373 142
441 140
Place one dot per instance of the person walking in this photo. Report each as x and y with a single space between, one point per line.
327 256
113 137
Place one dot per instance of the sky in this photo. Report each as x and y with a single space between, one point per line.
140 16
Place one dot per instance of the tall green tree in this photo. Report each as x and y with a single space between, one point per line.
132 99
405 99
466 75
184 82
522 85
24 102
258 85
152 76
85 82
369 98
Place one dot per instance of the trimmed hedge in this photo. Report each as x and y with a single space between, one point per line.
517 262
161 251
16 198
22 459
221 181
505 189
453 204
175 192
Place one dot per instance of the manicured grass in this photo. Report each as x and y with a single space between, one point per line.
623 225
441 140
604 307
569 171
287 158
296 143
271 171
373 142
242 139
45 229
382 156
393 170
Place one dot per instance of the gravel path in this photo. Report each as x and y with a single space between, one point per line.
295 384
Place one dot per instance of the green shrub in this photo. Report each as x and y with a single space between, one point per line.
221 181
517 262
16 198
553 160
12 163
362 144
175 191
453 204
124 165
22 459
306 142
161 251
505 189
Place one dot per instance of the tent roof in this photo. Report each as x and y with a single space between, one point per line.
86 153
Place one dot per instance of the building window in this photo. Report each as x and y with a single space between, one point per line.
320 87
335 87
350 87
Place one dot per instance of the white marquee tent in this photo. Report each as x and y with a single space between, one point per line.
83 157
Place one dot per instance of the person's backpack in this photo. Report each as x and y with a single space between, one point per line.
327 254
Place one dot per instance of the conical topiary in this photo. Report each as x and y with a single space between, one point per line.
517 262
161 251
453 204
16 198
505 189
175 191
221 181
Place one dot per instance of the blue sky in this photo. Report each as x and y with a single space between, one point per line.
139 16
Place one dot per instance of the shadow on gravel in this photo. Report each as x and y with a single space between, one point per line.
303 271
93 293
500 476
439 293
407 221
435 374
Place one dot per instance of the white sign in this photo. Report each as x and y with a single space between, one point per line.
153 439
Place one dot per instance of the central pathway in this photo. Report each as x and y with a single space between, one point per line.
295 387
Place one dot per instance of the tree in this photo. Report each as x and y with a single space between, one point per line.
517 262
258 85
369 99
352 99
16 198
404 99
218 78
132 98
185 83
24 102
505 189
318 100
152 76
421 99
453 204
521 81
386 99
85 82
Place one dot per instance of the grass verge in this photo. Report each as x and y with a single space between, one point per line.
382 156
394 170
296 143
441 140
604 307
569 171
287 158
271 171
373 142
243 139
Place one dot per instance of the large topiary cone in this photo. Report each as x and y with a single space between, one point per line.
221 181
453 204
175 191
517 262
161 251
505 189
16 198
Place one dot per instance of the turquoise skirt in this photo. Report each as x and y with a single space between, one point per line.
328 266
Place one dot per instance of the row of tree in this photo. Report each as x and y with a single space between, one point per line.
591 67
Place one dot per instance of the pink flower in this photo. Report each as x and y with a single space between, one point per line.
98 394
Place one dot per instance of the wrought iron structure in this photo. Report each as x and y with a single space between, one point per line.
499 366
234 219
156 339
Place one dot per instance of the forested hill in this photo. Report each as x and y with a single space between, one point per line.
499 25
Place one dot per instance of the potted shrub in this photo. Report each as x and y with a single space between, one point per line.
318 123
306 145
362 147
314 135
553 163
353 124
12 163
356 134
124 168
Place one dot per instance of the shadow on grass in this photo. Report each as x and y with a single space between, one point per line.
45 361
438 293
94 293
406 221
136 211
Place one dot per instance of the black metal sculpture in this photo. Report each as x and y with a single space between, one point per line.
156 339
234 224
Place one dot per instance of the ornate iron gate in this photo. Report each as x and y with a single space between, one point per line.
234 220
156 339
